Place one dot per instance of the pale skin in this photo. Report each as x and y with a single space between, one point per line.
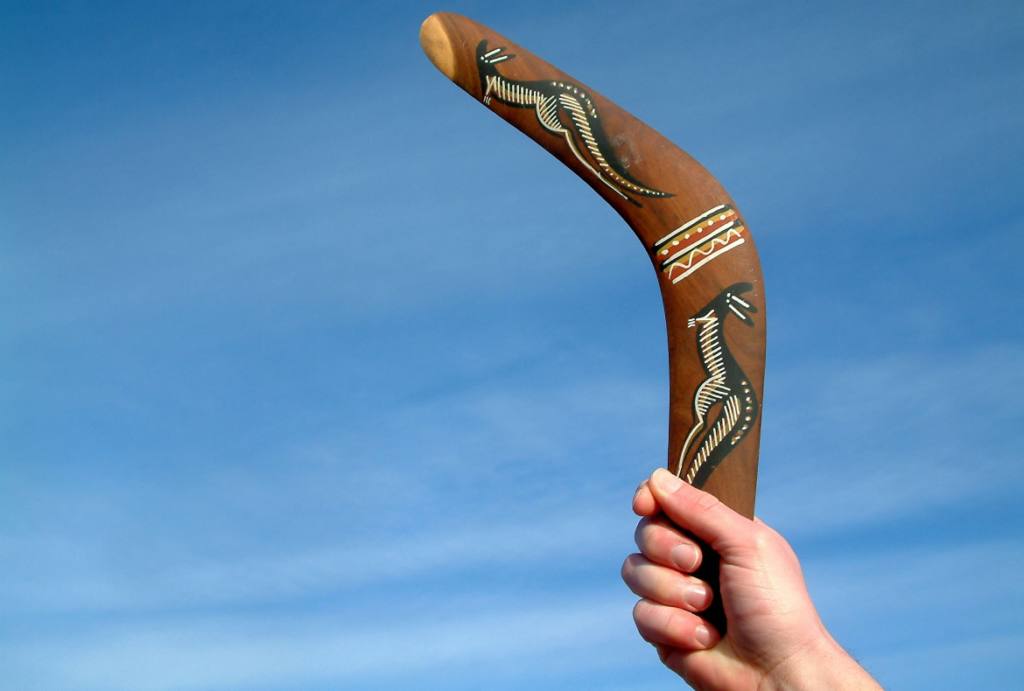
775 641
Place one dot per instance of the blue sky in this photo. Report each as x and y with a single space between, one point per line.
301 388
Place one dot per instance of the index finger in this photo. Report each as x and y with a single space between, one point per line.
644 503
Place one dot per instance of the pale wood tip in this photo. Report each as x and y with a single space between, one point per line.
437 45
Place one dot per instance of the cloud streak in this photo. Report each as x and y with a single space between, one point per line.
857 442
524 640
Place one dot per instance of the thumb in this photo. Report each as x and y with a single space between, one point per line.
697 511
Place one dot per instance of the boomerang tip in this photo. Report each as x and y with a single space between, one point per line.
438 45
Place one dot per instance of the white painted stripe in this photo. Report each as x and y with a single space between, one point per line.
689 224
694 245
711 243
704 261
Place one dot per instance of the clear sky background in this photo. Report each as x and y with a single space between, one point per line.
316 375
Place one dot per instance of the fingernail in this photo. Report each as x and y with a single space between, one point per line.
685 557
666 481
703 636
696 596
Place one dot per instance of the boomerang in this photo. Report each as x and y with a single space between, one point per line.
694 235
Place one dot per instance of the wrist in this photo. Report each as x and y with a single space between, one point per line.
824 665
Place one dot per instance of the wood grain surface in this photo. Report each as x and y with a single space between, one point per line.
696 238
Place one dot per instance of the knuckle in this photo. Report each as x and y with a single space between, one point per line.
706 503
653 538
634 573
642 614
764 539
662 523
642 529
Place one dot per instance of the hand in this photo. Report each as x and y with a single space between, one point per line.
775 639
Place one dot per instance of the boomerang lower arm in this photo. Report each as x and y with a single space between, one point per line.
695 237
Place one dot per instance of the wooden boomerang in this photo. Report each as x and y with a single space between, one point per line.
702 250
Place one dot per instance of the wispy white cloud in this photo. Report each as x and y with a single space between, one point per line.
248 206
924 617
855 443
934 615
460 640
956 586
510 456
57 577
980 662
418 492
483 639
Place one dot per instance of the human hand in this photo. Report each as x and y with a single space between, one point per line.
775 639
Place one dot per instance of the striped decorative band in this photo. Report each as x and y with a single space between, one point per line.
695 243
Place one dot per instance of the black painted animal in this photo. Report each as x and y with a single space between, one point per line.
726 386
565 110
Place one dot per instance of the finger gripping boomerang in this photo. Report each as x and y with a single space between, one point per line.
699 243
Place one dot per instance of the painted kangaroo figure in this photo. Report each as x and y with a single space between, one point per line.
726 384
565 110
